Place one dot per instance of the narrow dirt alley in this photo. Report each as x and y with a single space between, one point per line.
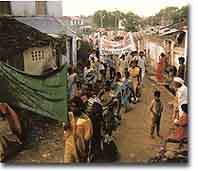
133 136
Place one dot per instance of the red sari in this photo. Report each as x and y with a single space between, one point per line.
160 69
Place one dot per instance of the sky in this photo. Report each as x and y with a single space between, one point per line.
140 7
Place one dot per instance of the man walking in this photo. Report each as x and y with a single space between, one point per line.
141 64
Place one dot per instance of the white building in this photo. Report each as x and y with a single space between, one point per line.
55 28
32 8
73 20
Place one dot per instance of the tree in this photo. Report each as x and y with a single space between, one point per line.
167 16
106 19
117 16
131 22
181 14
100 18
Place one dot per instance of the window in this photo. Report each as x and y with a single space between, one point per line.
37 55
42 54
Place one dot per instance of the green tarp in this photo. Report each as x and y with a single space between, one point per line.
45 95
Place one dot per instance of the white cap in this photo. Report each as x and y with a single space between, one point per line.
179 80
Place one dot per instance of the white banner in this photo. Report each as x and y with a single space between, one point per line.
118 46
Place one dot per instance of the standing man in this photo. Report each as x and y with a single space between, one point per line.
181 69
112 68
98 53
101 71
123 65
181 95
135 75
141 64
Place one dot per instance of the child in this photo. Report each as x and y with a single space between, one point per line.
78 89
156 109
181 123
127 91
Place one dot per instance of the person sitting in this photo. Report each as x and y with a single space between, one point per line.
180 136
8 113
11 134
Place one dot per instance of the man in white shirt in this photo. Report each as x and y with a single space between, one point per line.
123 65
89 74
92 57
181 93
141 64
101 70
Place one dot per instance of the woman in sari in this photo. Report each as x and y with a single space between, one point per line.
77 133
160 68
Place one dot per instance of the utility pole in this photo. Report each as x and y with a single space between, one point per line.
115 22
101 20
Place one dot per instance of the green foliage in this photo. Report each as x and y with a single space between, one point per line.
182 14
171 15
131 22
111 20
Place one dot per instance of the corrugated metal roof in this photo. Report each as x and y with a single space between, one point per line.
17 36
68 30
169 32
45 24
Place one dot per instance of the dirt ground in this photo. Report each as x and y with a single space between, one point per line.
133 137
44 145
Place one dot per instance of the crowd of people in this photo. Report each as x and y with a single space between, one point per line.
109 77
107 82
98 92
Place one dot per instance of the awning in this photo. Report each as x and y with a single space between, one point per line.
138 35
44 95
169 32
